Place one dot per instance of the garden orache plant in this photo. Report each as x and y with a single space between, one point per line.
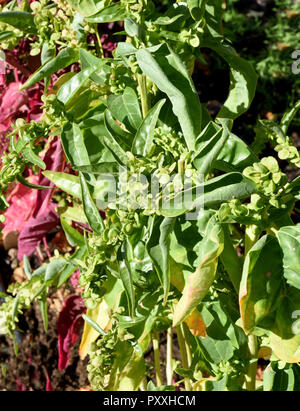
186 227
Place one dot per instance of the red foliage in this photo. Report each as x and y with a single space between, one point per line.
69 325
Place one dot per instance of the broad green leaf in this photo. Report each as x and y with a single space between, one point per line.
145 133
170 75
114 147
285 335
158 248
243 81
69 89
198 283
133 374
31 157
74 145
126 109
64 58
53 269
22 20
114 12
126 277
73 236
261 284
66 182
71 265
89 60
289 240
123 138
207 151
87 7
209 194
92 214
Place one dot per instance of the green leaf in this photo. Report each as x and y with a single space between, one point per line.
69 89
285 335
89 60
73 236
243 81
22 20
53 269
71 265
31 157
90 209
145 134
198 283
27 267
196 8
209 194
126 109
126 278
158 247
207 151
44 310
74 145
93 324
87 7
123 138
170 75
261 284
288 117
113 146
66 182
114 12
289 240
64 58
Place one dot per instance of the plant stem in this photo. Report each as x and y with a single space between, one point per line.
184 359
169 365
142 81
187 344
98 44
143 385
155 342
251 374
250 237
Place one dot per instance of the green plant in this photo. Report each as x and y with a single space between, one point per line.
197 234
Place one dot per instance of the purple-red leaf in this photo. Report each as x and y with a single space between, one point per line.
69 325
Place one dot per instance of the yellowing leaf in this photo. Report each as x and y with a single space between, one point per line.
101 315
198 283
196 324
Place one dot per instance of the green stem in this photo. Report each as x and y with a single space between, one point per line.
184 358
251 374
143 385
98 44
250 237
142 82
155 342
169 360
187 344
